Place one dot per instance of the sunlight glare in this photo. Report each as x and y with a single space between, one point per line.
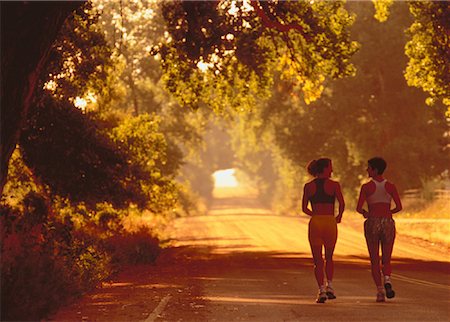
225 178
203 66
80 103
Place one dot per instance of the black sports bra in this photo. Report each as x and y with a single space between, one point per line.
321 196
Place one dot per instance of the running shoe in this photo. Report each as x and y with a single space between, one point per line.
380 297
321 297
389 291
330 293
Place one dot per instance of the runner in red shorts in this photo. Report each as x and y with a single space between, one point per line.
379 227
321 193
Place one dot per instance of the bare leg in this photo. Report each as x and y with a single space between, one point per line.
371 232
387 245
329 264
318 264
386 249
373 247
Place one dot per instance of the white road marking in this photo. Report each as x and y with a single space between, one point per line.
157 311
420 282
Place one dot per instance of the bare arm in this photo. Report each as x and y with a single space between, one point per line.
305 200
341 201
394 193
361 200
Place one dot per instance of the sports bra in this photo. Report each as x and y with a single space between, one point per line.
380 195
320 196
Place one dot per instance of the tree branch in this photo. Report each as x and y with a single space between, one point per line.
273 24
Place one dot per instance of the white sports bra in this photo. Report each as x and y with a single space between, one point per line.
380 195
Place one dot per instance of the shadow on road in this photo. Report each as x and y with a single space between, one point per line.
206 284
221 270
265 286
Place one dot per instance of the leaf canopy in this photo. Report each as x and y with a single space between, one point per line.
225 54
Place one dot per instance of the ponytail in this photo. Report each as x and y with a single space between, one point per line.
315 167
312 168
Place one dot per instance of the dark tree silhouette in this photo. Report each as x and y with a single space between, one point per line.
28 30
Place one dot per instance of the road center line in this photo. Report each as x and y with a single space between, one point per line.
157 311
420 282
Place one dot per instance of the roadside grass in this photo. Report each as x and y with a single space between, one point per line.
430 222
436 209
436 231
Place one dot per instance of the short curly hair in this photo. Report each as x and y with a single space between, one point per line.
378 163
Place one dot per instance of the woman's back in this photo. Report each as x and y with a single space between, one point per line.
378 198
322 196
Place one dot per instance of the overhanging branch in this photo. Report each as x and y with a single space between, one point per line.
274 24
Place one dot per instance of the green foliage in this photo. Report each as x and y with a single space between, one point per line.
53 250
138 136
130 37
147 148
253 152
382 9
20 181
375 113
94 168
222 55
139 28
234 87
80 59
41 267
427 49
287 193
79 162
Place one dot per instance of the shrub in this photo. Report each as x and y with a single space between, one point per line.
139 247
53 251
44 262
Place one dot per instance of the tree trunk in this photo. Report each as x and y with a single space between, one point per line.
28 30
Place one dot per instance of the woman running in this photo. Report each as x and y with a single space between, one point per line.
322 192
379 227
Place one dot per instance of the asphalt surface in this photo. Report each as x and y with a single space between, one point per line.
243 263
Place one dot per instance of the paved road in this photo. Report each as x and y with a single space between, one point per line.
242 263
264 271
